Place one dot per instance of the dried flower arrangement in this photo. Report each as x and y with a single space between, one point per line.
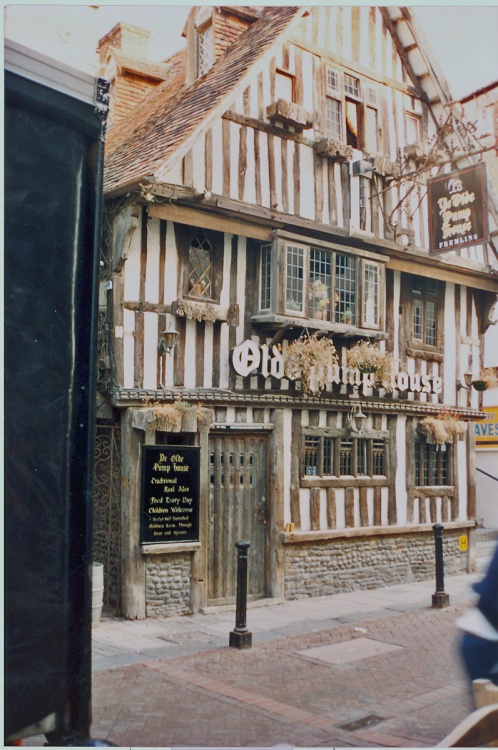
310 358
443 427
487 379
180 415
369 358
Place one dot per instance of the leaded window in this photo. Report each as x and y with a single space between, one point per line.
265 277
432 465
333 118
319 283
343 456
200 267
371 294
205 49
294 295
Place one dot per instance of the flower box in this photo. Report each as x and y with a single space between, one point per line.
289 113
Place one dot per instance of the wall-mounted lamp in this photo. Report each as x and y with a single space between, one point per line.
468 380
356 420
167 342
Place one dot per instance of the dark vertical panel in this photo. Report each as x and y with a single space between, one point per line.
50 272
216 353
200 337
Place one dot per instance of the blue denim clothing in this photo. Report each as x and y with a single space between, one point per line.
480 657
488 592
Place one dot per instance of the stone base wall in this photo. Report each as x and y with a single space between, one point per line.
167 581
342 565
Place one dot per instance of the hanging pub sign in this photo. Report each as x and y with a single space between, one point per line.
457 210
170 494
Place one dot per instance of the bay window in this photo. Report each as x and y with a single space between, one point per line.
321 284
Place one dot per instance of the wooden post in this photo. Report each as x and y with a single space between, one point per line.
133 563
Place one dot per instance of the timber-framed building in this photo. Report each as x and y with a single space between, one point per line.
269 182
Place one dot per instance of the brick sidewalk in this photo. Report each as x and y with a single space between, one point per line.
390 681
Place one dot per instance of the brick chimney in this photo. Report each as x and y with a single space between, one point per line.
123 62
131 40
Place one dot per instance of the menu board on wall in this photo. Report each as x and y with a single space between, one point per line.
170 494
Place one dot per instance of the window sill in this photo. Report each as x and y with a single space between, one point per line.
169 548
334 150
309 481
443 490
421 352
289 537
196 309
276 320
289 113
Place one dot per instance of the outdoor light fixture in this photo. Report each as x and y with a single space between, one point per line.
167 341
356 419
468 380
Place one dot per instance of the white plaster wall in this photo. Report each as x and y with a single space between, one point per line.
450 366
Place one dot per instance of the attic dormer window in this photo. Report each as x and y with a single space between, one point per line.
205 49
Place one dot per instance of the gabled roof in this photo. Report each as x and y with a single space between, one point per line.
142 143
155 71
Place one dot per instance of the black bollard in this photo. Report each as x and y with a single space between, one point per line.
439 598
240 637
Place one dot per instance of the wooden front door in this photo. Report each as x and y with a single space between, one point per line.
237 511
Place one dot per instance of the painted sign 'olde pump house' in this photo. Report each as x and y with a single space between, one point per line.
282 360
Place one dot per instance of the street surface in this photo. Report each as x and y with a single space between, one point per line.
365 669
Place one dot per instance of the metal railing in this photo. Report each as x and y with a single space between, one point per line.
488 475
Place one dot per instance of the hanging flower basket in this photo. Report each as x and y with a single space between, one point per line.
442 428
310 358
368 358
480 385
487 379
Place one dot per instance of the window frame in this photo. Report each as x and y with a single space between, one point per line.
362 97
428 453
275 283
292 80
425 297
330 442
185 236
202 32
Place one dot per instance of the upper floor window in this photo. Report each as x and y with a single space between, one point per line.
200 274
201 254
424 320
351 86
351 111
205 49
321 284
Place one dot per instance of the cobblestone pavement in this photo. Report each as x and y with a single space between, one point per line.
389 680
